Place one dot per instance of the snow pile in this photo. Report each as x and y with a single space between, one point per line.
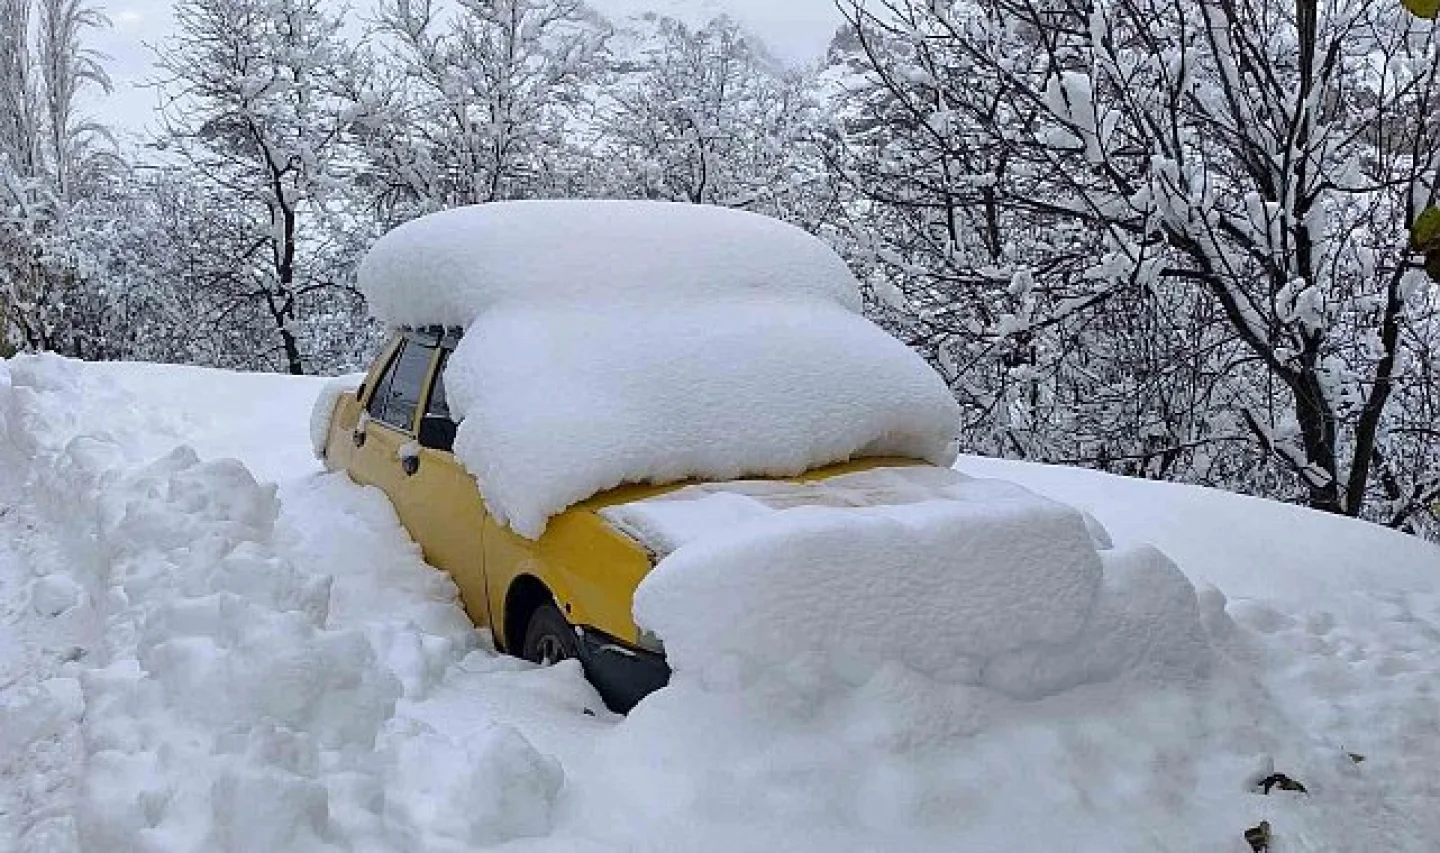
450 267
324 409
956 579
563 403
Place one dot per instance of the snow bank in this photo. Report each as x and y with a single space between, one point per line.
562 403
956 579
450 267
1249 547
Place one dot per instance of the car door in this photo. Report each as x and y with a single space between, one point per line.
436 499
450 518
390 425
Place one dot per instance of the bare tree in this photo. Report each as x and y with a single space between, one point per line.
1238 177
707 116
474 105
259 107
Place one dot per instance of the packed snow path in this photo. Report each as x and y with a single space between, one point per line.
192 660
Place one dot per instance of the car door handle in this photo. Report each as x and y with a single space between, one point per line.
410 464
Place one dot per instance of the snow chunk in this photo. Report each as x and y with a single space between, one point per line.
491 788
452 266
1146 619
560 403
54 594
940 586
324 408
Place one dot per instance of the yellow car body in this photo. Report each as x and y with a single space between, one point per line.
584 566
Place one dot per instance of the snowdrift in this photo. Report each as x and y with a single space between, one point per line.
620 342
224 695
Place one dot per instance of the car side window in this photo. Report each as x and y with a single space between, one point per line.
439 405
398 393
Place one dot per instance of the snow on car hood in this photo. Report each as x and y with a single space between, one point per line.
959 579
665 522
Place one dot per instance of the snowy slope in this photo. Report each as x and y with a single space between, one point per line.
1247 546
193 660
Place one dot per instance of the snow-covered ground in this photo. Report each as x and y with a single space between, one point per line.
192 659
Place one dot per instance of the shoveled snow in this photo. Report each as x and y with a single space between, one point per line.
195 691
450 267
562 403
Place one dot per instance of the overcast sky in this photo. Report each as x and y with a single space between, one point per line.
796 30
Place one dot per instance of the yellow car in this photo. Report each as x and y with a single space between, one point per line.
565 595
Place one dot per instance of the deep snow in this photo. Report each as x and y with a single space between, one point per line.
193 660
452 266
563 403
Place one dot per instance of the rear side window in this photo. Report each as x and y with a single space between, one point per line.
398 393
439 405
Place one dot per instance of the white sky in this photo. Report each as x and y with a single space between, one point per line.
796 30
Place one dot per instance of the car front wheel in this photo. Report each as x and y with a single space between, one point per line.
549 638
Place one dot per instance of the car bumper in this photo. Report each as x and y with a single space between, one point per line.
621 673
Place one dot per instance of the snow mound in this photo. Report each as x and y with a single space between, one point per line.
452 266
559 403
490 788
324 409
956 579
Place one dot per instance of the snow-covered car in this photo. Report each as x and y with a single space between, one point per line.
575 389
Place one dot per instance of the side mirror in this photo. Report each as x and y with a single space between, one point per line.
437 433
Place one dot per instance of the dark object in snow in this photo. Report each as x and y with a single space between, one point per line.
1281 781
1259 836
588 712
1355 757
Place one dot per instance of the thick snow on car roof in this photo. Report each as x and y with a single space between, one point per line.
449 267
623 342
560 404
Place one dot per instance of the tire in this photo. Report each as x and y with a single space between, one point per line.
549 638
